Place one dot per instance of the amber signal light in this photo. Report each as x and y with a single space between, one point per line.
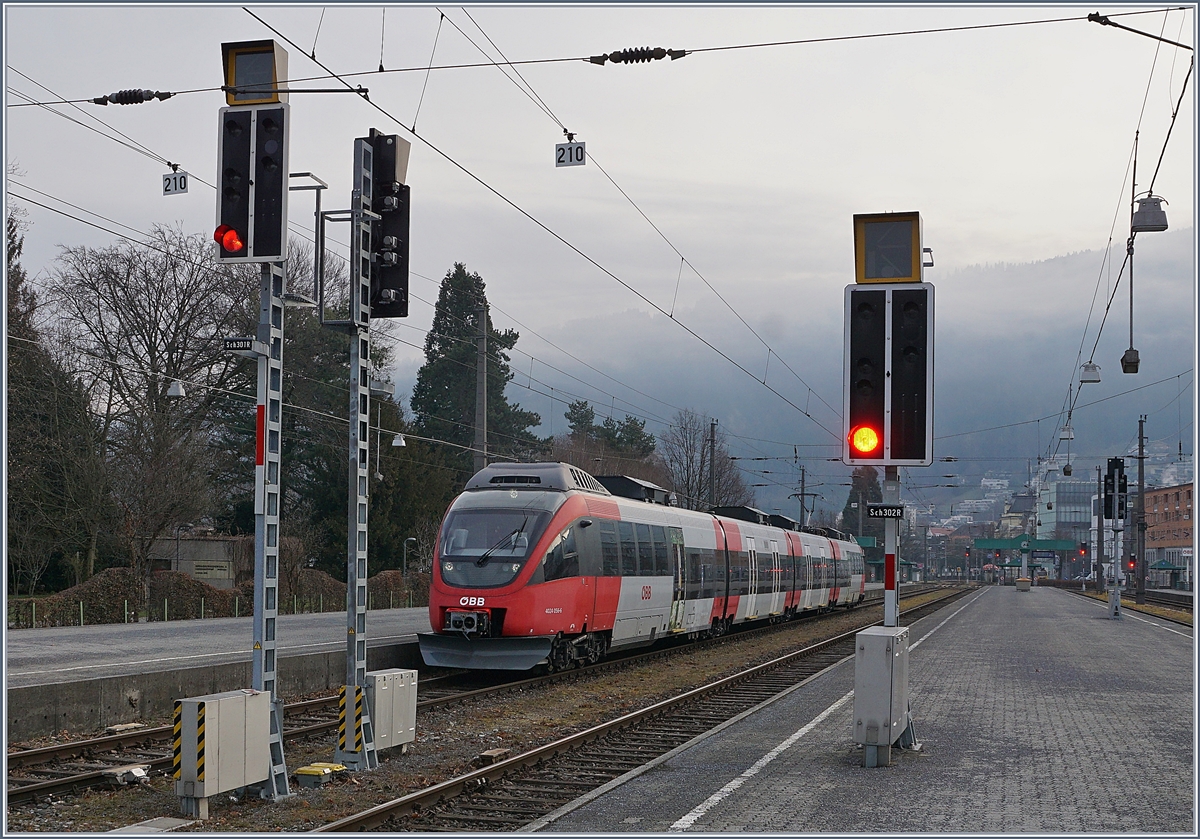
864 439
228 238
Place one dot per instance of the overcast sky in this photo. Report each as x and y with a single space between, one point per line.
1014 144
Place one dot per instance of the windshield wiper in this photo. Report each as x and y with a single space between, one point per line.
486 555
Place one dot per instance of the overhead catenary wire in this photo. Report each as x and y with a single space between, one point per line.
152 246
537 100
768 357
562 239
584 58
1072 399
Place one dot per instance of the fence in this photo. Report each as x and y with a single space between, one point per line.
57 610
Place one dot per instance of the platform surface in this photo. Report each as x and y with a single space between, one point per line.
1036 714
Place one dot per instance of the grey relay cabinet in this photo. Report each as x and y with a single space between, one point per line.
880 690
392 700
220 744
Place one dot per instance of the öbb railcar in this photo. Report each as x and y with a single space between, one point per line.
540 563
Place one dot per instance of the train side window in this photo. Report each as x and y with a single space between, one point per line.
716 561
563 559
662 558
694 588
645 550
552 565
610 552
739 573
628 549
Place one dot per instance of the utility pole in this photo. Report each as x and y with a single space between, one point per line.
1140 596
802 495
481 391
712 464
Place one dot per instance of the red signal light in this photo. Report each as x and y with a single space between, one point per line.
864 439
228 238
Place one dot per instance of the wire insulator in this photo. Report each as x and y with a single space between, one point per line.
637 55
130 97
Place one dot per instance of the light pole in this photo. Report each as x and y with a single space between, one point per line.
404 567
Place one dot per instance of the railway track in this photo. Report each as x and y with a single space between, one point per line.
513 792
1127 603
69 768
1172 602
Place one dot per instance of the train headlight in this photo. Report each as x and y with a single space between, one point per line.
447 566
516 567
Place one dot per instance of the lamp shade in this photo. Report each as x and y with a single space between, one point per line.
1149 216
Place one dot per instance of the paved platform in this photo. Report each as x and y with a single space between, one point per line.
1037 714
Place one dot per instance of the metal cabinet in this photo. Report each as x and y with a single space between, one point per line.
880 685
392 700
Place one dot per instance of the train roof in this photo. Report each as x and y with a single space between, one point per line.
558 477
742 513
637 489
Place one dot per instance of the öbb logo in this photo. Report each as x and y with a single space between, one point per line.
470 601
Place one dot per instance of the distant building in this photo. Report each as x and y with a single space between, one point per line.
1065 510
1169 533
1016 516
205 556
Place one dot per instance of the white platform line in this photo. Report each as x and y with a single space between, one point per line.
1129 614
714 799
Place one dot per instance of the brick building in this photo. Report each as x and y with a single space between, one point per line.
1169 535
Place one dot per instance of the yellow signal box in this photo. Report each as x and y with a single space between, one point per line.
887 248
255 69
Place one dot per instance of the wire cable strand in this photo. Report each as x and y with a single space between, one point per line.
563 240
587 58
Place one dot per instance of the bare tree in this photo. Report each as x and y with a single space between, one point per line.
132 319
685 453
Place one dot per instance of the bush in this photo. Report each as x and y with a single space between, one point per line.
182 596
389 589
104 598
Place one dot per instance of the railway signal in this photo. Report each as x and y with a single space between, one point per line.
252 155
888 364
389 234
1116 489
888 375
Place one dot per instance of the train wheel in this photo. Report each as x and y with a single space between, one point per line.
593 648
561 657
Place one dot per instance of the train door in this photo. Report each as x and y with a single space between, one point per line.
679 594
752 596
777 593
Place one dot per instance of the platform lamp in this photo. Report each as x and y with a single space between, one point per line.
1149 217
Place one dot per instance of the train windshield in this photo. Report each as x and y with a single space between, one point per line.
487 546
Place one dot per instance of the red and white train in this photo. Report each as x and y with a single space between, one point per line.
542 563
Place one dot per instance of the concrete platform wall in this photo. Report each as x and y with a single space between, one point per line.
90 706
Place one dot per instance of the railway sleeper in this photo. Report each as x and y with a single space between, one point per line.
504 807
